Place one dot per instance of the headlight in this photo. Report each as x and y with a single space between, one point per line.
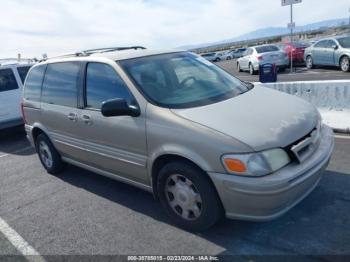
256 164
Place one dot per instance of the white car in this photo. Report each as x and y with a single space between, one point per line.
12 76
260 55
214 56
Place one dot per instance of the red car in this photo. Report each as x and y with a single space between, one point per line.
298 49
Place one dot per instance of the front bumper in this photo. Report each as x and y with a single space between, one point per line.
268 197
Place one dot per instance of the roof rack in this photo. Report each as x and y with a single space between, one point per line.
110 49
97 50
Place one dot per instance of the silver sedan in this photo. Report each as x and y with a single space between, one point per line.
259 55
329 52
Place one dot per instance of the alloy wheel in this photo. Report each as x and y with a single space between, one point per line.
309 62
345 64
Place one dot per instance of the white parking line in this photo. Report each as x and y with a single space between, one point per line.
342 137
17 151
19 243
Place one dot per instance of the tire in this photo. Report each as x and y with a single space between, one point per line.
345 64
309 63
239 68
181 186
48 155
282 69
251 70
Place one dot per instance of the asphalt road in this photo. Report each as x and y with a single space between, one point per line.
301 74
79 212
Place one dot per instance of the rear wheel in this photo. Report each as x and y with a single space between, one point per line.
345 64
282 69
251 69
48 155
188 196
239 68
309 63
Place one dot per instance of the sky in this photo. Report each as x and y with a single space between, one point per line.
36 27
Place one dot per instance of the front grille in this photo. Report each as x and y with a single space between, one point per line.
303 148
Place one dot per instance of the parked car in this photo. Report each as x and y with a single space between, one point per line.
228 55
172 123
238 53
263 54
329 52
213 56
12 75
295 50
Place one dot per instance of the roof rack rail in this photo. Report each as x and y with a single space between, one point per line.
110 49
94 51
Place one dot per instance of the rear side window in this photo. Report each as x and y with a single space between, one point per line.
7 80
330 44
23 71
60 84
32 89
102 84
322 44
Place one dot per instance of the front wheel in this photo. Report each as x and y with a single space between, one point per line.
188 196
48 155
345 64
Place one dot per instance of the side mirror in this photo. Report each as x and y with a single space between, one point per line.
119 107
335 47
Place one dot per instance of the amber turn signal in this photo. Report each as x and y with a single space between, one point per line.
235 165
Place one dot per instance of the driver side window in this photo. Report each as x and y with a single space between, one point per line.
102 84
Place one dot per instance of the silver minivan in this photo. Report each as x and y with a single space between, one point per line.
204 143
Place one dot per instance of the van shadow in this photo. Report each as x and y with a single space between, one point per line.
315 226
13 141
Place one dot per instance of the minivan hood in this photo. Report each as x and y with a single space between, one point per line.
261 118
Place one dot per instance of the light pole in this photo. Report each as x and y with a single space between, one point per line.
349 20
291 38
291 25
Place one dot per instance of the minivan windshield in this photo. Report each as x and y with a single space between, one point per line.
181 80
344 42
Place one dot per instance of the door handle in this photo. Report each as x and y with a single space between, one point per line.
87 119
73 117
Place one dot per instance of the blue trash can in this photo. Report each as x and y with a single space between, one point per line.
268 73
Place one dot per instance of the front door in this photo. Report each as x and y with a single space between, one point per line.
114 144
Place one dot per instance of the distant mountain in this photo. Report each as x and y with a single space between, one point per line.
275 31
